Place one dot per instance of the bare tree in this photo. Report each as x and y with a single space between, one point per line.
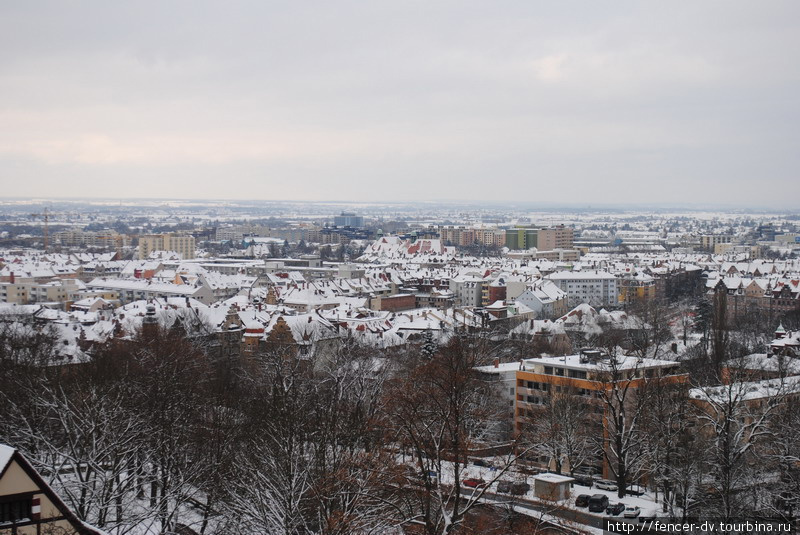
623 442
441 412
782 454
564 429
270 491
735 420
669 440
649 340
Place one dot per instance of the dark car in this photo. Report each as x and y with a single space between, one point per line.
615 509
582 500
475 483
598 503
530 470
584 479
504 486
519 488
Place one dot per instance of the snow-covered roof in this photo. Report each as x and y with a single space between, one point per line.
746 391
554 478
6 453
766 362
623 362
581 275
500 368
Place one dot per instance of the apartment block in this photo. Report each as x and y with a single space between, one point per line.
636 287
597 288
521 238
182 244
709 241
559 237
585 375
349 219
84 238
23 293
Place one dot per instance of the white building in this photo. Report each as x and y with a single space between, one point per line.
597 288
468 291
137 289
545 298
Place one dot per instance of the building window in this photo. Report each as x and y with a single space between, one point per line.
15 510
548 370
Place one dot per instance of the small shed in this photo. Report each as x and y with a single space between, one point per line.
552 487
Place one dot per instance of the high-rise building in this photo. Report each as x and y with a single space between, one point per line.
559 237
349 219
181 244
522 238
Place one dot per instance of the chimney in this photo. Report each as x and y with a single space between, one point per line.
496 362
11 279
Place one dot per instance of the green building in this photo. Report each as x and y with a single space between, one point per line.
522 238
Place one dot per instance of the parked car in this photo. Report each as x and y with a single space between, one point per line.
634 490
615 509
481 462
519 488
605 484
504 486
631 511
582 500
648 514
584 479
475 483
598 503
530 470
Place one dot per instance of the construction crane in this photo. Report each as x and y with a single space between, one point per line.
46 215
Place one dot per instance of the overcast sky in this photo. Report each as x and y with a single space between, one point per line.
560 101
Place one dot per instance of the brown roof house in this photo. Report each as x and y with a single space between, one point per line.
28 506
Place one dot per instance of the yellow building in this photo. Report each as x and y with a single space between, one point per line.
637 287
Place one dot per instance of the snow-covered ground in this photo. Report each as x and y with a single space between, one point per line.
646 502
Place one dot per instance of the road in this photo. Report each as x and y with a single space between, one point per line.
570 515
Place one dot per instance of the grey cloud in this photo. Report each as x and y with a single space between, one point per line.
573 101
